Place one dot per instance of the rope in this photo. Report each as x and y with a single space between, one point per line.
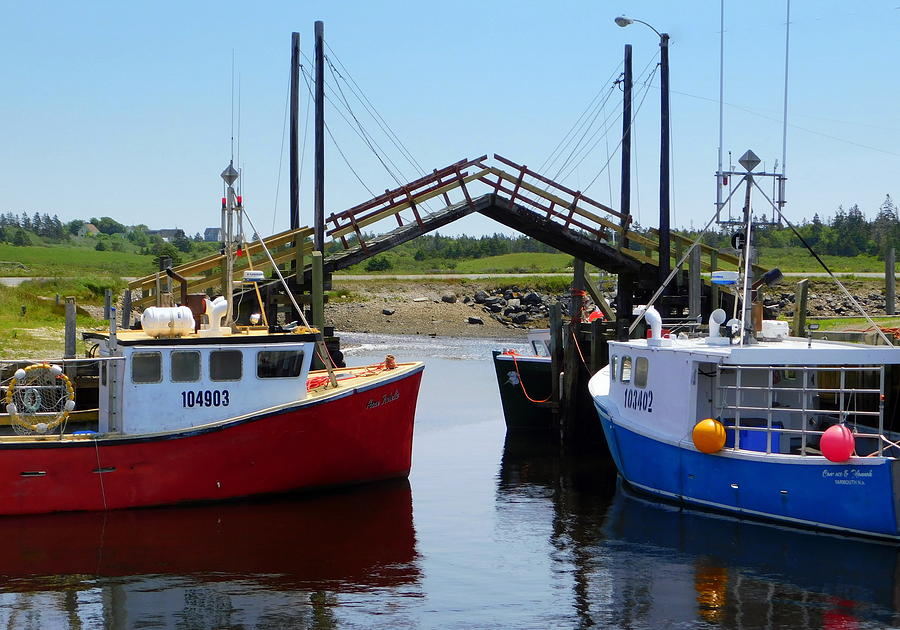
100 474
580 354
513 354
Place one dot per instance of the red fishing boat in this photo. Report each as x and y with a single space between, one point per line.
188 409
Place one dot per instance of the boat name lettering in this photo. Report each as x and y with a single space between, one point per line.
848 476
205 398
385 399
640 399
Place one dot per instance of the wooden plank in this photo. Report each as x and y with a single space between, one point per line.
213 260
615 227
403 206
200 286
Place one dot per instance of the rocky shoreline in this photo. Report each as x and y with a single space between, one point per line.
468 309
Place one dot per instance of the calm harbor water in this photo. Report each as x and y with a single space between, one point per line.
489 532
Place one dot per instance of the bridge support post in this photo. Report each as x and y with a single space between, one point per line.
890 278
69 348
317 306
695 286
556 355
800 294
714 288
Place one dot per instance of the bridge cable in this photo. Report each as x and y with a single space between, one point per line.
585 151
637 110
550 160
358 92
337 146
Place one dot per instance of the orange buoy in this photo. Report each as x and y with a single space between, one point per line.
709 436
837 443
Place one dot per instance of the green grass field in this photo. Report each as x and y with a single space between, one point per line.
71 261
31 323
798 259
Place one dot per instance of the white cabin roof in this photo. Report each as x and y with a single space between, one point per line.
790 351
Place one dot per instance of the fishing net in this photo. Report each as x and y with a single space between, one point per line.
39 398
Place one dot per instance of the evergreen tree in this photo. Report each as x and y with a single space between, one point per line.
885 228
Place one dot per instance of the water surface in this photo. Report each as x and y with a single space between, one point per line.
489 532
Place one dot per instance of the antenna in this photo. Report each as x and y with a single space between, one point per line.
232 105
719 182
787 40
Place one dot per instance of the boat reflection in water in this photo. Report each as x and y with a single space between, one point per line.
251 564
633 562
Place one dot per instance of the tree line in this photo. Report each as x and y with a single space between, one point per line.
847 233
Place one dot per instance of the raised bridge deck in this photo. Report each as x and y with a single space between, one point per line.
502 190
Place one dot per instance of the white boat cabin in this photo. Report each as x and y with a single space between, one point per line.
152 385
772 396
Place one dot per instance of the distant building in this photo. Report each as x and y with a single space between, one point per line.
212 234
88 229
167 235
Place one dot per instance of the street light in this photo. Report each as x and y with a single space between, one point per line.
664 249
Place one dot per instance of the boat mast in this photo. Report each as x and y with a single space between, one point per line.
230 205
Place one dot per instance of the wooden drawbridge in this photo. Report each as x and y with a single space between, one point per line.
509 193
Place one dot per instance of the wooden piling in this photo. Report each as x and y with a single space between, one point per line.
890 278
107 303
714 288
556 353
695 287
69 347
126 310
317 306
800 295
568 403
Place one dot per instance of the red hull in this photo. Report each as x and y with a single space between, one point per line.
348 438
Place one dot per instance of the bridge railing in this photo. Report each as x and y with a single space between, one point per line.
516 184
411 196
202 273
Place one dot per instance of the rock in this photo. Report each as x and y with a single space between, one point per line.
531 298
508 294
496 308
514 302
476 320
466 299
480 297
420 299
491 301
448 297
387 311
520 318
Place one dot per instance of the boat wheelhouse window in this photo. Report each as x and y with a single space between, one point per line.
225 365
279 363
613 364
641 367
625 375
185 366
146 367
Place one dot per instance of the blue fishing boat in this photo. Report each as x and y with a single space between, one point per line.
749 420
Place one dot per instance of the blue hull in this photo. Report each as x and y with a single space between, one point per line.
843 497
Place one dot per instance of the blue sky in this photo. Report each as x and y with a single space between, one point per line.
125 109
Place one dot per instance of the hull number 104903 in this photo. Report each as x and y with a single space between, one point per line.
205 398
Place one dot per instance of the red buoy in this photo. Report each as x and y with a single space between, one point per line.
837 443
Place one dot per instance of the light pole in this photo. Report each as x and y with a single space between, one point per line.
664 246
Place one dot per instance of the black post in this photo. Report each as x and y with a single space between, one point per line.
295 131
625 283
664 159
625 208
319 223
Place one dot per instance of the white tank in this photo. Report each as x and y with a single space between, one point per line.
167 321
